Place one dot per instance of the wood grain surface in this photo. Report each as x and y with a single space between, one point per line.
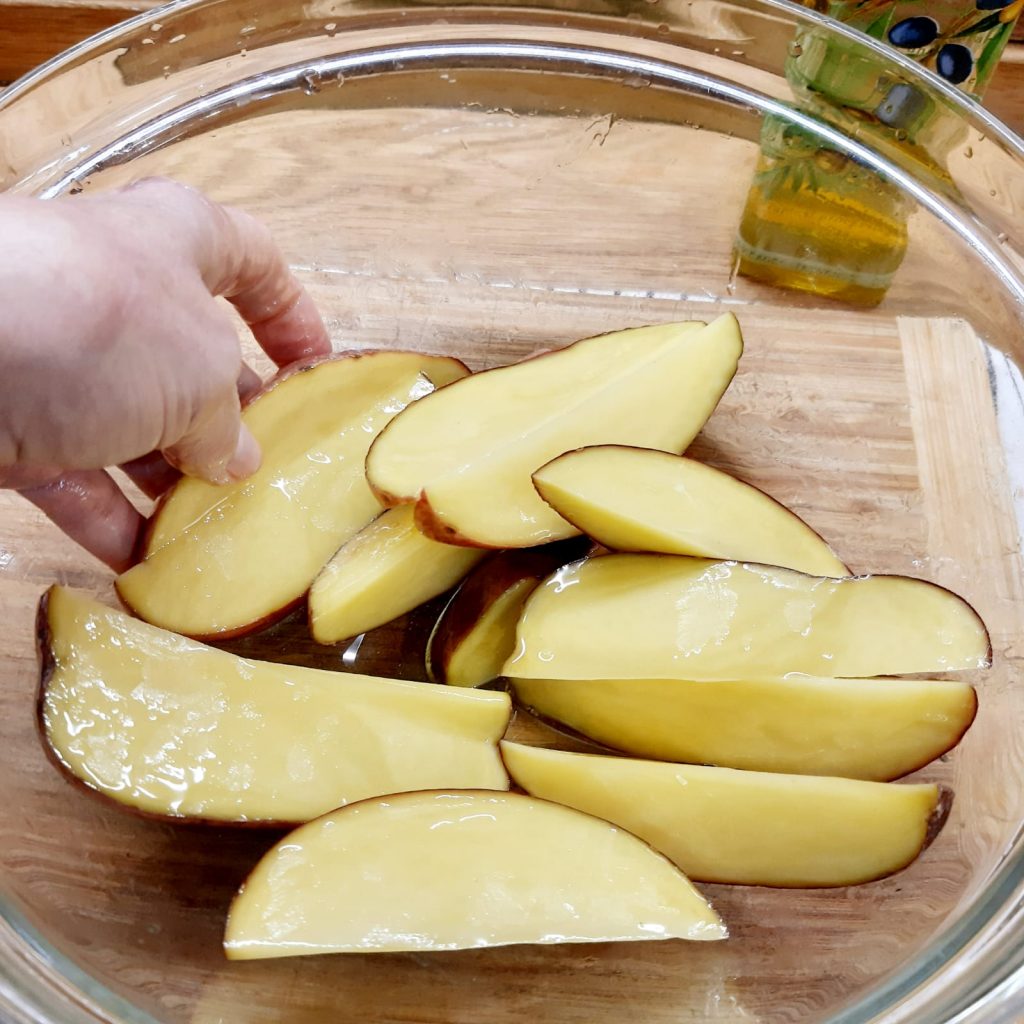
883 437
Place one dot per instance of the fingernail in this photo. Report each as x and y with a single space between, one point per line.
247 457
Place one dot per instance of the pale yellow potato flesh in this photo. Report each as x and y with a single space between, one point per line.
876 729
466 455
744 828
386 570
480 655
638 499
226 560
459 870
168 727
630 616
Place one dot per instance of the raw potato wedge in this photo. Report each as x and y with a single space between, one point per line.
226 560
744 828
172 729
670 617
637 499
384 571
459 870
466 456
476 632
876 729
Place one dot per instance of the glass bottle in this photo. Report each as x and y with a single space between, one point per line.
815 220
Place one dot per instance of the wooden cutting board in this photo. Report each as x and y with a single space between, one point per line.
882 432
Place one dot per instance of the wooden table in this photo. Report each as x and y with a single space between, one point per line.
32 31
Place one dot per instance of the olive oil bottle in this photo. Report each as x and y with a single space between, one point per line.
817 220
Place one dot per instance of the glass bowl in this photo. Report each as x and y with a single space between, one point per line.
489 179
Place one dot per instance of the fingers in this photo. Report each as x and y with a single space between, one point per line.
237 258
245 266
91 509
249 382
217 446
151 473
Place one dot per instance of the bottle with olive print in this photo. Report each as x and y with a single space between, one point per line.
815 220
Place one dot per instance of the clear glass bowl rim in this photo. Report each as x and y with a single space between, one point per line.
981 957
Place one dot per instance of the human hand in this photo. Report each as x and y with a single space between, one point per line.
114 350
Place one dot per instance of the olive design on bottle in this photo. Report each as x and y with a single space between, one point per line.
914 33
954 63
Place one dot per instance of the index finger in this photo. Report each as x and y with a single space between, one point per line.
244 264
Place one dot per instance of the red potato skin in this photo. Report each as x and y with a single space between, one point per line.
437 529
483 586
569 731
658 451
389 499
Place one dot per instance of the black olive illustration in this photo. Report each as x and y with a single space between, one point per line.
913 33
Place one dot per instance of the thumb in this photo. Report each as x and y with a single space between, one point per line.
217 447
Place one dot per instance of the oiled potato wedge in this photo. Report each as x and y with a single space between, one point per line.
638 499
476 632
226 560
459 870
746 828
632 616
465 456
858 728
172 729
384 571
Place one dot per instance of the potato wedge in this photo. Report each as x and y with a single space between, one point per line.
171 729
224 561
744 828
638 499
632 616
876 729
459 870
384 571
476 632
466 456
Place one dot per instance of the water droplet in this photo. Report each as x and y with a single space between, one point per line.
167 71
178 38
795 49
243 52
969 152
147 41
739 53
901 134
331 28
311 83
1002 238
663 29
247 31
637 82
155 27
993 193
